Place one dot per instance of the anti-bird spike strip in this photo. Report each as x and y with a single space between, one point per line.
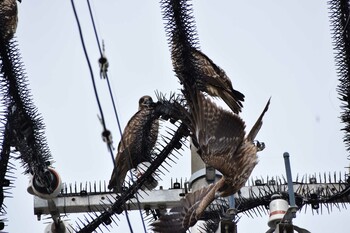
181 31
165 108
133 189
26 123
339 14
5 179
5 36
315 193
194 69
24 127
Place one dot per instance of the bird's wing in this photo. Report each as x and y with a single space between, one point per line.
215 81
181 218
217 131
125 150
138 139
210 69
256 127
121 167
170 223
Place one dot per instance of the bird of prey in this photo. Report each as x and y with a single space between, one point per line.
223 144
135 146
8 18
213 80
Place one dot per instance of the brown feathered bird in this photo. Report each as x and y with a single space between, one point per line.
135 146
213 80
224 145
8 18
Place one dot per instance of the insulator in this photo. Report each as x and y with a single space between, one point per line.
107 136
278 208
38 189
62 227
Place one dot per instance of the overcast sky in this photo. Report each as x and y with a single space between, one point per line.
278 49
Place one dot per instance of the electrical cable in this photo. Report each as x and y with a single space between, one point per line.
108 83
114 107
91 75
95 91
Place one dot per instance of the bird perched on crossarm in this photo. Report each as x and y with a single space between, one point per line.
223 144
212 79
8 18
136 144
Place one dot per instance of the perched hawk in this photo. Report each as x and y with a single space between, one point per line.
223 144
214 81
8 18
135 146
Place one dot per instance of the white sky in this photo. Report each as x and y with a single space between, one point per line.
281 49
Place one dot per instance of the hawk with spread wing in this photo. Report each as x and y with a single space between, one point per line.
223 144
136 144
8 18
213 80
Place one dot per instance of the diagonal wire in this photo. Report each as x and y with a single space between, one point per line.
95 91
109 86
113 103
91 75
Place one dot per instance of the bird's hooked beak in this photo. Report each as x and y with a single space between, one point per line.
20 1
146 102
149 103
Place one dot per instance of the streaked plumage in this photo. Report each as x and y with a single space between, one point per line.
214 81
138 139
223 144
179 219
8 17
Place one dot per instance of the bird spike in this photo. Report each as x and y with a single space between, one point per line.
119 202
317 196
339 15
180 24
182 37
22 116
6 180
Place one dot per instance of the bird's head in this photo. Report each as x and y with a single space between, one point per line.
145 102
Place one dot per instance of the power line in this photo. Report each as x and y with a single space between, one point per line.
107 79
113 103
91 75
96 94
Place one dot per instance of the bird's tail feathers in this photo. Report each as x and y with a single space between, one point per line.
114 182
255 129
233 100
179 219
194 204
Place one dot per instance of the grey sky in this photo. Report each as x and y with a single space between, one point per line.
281 49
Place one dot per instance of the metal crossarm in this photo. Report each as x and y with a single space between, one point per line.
248 198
